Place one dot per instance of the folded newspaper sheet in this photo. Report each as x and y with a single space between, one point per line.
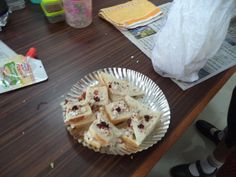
225 58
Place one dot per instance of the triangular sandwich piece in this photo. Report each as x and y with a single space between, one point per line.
78 114
119 87
102 131
97 95
118 112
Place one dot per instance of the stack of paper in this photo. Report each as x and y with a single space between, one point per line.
131 14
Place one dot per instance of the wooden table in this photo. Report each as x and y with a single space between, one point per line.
32 132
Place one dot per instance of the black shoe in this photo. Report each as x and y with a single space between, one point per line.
183 171
204 127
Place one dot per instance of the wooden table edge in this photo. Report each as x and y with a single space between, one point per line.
144 169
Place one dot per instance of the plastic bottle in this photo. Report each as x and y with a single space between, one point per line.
78 13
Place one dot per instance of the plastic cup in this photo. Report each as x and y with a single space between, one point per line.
78 13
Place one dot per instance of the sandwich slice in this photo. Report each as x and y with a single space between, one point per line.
78 114
138 130
118 112
78 131
102 132
142 123
144 126
128 136
91 141
138 107
97 95
119 87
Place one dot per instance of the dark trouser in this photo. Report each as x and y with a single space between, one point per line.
230 139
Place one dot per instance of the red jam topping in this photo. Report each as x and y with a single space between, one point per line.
118 109
97 99
141 126
74 108
103 125
147 117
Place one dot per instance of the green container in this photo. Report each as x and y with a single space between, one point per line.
53 10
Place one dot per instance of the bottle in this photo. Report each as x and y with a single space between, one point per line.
78 13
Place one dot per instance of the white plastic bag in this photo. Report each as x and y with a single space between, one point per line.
193 32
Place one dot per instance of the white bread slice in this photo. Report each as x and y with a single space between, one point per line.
97 95
90 140
138 107
144 126
119 87
128 136
129 139
103 131
118 112
85 123
115 98
145 121
143 110
77 131
138 130
77 113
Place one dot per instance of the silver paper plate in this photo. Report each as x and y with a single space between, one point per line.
154 97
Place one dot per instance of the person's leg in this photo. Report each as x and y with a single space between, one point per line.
229 167
209 166
204 168
228 146
230 138
213 133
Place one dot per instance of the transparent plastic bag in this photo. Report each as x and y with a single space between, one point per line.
193 32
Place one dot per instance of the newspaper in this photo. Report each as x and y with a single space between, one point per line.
225 58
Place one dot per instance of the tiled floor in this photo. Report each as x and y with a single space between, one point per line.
192 146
